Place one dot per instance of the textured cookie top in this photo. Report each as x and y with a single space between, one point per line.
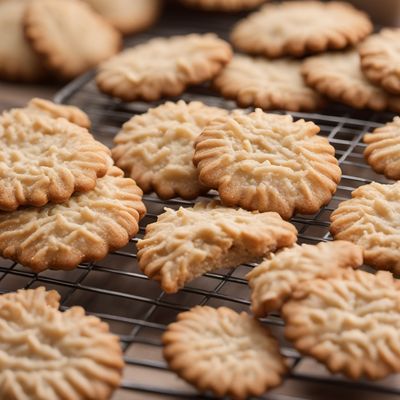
45 159
85 228
382 152
339 76
223 5
48 354
156 148
274 280
267 162
163 66
18 61
269 84
220 350
300 27
370 219
126 15
186 243
350 323
71 113
69 35
380 59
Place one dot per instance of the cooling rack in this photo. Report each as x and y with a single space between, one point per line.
135 307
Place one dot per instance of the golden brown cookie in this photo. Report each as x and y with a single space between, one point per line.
380 59
69 35
268 84
46 159
223 5
71 113
85 228
273 281
339 77
370 219
163 66
267 162
156 148
126 15
351 323
383 150
189 242
297 28
49 354
18 61
228 353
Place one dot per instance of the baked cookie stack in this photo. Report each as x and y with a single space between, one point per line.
61 196
64 38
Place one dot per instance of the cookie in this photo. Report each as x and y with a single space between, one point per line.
382 151
228 353
46 159
126 15
273 281
156 148
380 59
49 354
350 323
297 28
269 84
370 220
71 113
85 228
223 5
163 67
267 162
339 77
18 61
189 242
69 36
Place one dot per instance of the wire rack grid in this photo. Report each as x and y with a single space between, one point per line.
136 308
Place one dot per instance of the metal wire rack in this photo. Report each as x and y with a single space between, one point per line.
135 307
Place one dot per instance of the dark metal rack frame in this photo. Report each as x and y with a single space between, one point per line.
135 307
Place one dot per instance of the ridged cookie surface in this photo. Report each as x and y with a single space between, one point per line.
156 148
351 323
85 228
273 281
45 159
48 354
220 350
189 242
267 162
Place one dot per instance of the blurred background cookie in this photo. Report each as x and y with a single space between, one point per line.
223 5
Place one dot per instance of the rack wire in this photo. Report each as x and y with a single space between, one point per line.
136 308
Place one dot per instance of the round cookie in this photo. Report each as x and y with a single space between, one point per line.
18 61
274 280
156 148
46 159
69 35
268 84
297 28
84 228
223 5
370 220
49 354
267 162
228 353
380 59
71 113
351 323
163 67
126 15
189 242
382 152
339 77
